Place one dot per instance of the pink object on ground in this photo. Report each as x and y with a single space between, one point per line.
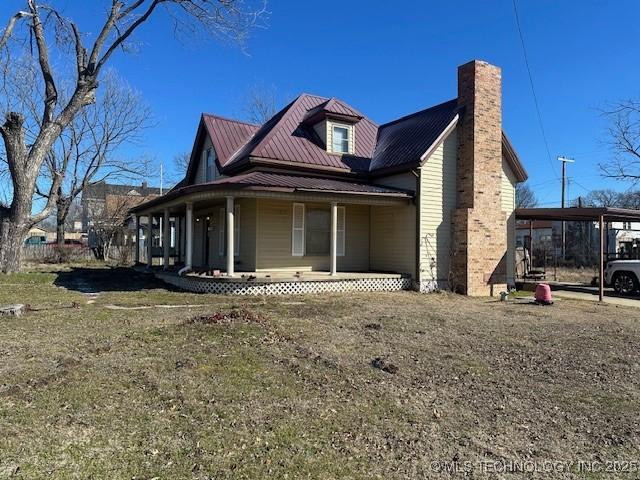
543 294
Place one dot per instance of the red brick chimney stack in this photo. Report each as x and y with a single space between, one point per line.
480 232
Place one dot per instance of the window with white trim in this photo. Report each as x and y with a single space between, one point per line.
341 232
317 231
340 139
297 230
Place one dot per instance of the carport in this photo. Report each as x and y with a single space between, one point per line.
602 215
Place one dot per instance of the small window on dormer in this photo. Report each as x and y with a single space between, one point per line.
340 139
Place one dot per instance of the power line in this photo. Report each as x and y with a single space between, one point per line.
533 91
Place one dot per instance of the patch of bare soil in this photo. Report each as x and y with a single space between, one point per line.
236 315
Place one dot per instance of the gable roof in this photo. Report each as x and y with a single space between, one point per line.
286 140
406 139
226 135
289 140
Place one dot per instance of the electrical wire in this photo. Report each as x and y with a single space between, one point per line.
533 91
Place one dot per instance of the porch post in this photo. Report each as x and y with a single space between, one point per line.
149 240
136 251
166 241
334 237
189 236
230 239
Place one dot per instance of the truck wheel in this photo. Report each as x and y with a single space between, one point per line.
625 283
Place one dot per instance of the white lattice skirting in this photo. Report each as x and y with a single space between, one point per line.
200 285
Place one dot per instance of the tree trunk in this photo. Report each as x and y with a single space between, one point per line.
62 212
12 237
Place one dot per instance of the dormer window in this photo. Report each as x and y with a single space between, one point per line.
340 139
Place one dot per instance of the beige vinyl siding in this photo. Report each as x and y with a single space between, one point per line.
274 234
393 237
437 204
393 240
508 200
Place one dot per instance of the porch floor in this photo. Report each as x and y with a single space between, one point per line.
288 276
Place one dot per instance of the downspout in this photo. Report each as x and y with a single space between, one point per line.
417 200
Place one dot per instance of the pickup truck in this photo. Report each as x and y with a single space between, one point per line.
623 276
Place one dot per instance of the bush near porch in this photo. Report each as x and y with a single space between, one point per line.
299 386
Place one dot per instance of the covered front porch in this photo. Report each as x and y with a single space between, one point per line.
256 237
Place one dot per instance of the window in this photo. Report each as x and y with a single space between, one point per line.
311 232
340 136
297 231
210 165
318 232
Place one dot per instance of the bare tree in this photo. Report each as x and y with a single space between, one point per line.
180 165
624 140
28 139
110 224
85 152
260 104
525 198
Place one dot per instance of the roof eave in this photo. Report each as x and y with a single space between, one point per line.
514 159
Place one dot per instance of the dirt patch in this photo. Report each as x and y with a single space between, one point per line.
239 315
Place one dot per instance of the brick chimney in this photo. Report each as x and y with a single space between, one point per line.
479 225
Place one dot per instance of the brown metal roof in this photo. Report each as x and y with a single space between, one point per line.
285 139
579 214
269 181
406 139
534 224
227 135
289 140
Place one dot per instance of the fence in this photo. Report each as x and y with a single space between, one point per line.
52 253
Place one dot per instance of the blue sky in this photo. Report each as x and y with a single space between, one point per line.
388 59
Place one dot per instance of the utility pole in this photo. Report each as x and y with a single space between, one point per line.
564 161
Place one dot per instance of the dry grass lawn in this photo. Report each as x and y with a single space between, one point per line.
287 387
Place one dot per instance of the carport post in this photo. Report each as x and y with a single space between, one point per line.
601 282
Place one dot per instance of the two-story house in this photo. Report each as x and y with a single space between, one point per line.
321 191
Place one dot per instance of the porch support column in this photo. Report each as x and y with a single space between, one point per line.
334 238
149 240
230 239
166 240
188 262
136 251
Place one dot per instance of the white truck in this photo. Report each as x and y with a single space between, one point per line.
623 276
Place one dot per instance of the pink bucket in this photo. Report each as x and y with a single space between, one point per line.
543 294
